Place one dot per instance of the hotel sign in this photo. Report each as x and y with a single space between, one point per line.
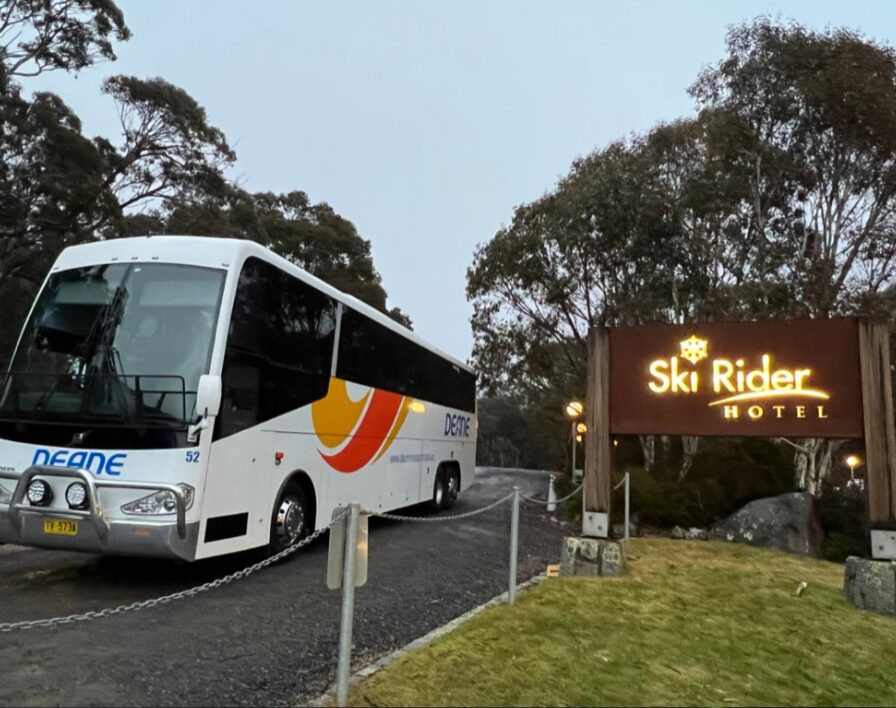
794 378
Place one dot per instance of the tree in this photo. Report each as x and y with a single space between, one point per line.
814 116
59 187
47 35
776 200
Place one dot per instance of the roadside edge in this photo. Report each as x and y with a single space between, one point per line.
329 696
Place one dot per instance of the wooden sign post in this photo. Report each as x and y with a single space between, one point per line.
778 378
598 470
880 443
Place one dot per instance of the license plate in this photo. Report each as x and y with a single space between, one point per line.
61 527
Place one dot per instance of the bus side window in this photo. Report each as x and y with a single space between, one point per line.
279 347
239 402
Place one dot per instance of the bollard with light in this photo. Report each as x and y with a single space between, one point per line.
574 411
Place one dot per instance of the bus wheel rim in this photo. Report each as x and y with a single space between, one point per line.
290 520
452 486
440 492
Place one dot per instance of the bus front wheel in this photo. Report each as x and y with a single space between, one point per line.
289 522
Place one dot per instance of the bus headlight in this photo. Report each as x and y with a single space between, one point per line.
161 502
76 496
39 493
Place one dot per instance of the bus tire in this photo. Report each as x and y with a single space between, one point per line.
439 488
452 488
290 519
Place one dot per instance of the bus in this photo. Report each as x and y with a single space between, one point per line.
187 397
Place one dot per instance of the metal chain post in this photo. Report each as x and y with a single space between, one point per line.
627 496
514 544
552 497
348 606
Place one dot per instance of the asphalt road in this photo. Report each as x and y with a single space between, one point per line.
269 639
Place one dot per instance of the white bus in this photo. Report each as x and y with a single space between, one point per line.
188 397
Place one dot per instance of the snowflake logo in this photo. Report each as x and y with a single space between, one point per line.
694 349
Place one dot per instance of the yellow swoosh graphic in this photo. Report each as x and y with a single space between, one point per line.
335 416
760 395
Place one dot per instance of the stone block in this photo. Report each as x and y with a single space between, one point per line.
870 585
612 558
591 556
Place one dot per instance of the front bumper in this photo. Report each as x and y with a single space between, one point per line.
23 524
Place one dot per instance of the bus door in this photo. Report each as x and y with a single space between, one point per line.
237 494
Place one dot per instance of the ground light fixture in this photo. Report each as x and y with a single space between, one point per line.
76 496
574 411
852 462
39 493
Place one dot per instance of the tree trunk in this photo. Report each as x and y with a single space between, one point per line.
648 450
689 444
813 462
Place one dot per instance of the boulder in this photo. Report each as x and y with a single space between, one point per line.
870 585
619 529
692 534
788 522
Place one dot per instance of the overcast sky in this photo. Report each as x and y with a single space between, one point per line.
426 123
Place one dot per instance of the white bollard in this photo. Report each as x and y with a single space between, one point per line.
552 496
514 544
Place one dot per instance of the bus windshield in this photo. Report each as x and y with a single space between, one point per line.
113 344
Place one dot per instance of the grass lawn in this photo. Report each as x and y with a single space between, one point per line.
691 623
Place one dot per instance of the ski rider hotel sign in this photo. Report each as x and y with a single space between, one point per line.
826 378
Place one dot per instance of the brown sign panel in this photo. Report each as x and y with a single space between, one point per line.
793 378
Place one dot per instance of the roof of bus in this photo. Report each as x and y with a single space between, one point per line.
218 252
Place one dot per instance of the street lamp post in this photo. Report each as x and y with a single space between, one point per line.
574 410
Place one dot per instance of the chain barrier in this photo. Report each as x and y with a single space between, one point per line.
164 599
436 519
553 501
237 575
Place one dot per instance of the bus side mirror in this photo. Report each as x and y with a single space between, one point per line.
208 395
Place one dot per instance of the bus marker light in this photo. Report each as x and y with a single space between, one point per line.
278 457
39 493
76 496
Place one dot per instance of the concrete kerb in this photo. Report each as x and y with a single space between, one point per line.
329 696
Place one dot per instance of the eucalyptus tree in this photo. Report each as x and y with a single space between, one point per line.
812 128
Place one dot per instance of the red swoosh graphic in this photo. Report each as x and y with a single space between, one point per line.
374 428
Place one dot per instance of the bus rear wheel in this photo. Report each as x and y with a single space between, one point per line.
452 488
289 522
439 490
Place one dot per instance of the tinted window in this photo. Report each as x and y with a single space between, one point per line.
374 355
279 349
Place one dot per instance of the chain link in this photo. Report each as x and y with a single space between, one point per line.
431 519
164 599
555 501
